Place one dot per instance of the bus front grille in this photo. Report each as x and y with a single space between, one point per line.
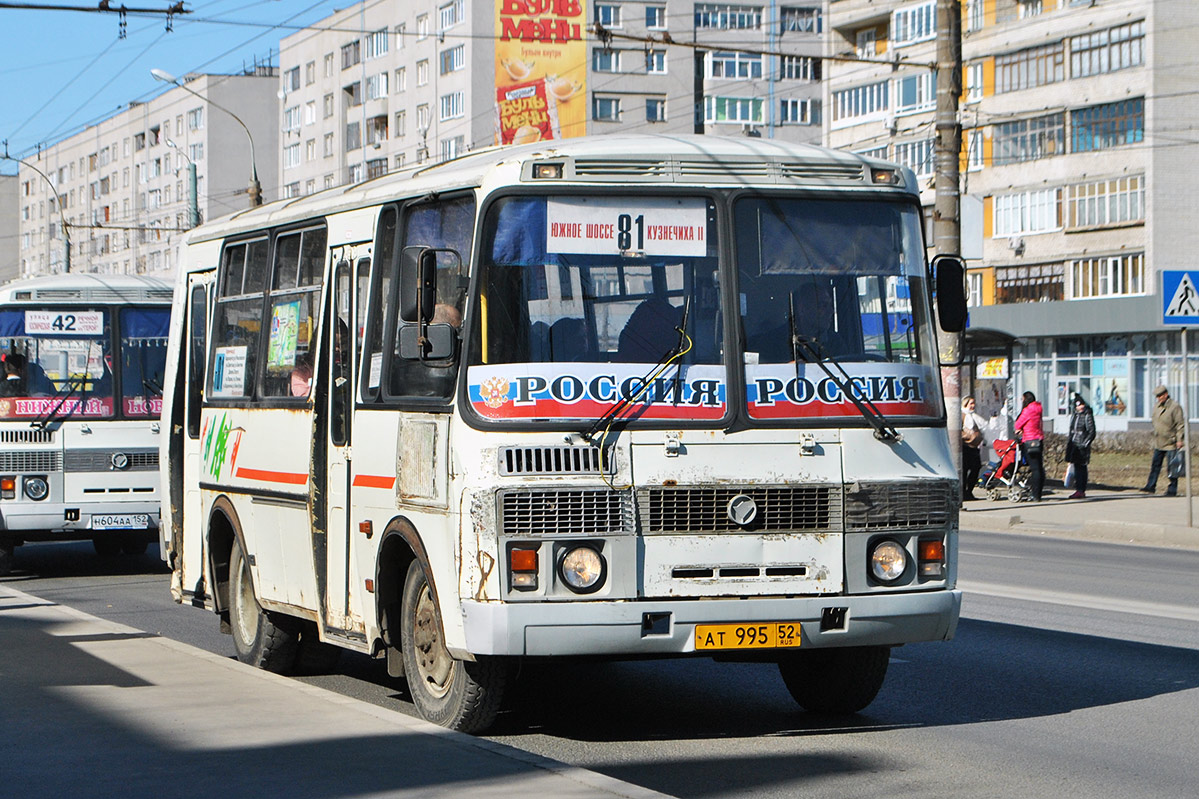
26 436
705 509
101 460
892 505
551 460
28 462
576 511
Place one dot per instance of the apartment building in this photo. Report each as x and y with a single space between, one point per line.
10 265
390 85
1078 149
120 187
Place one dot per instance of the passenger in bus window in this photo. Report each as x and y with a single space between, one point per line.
301 377
446 314
14 376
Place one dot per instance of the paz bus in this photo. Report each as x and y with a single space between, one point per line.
82 359
608 397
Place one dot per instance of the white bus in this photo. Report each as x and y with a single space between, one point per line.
81 370
605 397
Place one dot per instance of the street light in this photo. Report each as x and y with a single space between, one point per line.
255 189
66 234
193 206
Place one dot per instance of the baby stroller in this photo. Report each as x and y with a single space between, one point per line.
1009 475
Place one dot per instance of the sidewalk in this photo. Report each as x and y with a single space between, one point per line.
90 708
1109 515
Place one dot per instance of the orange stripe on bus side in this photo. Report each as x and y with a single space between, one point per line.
266 476
374 481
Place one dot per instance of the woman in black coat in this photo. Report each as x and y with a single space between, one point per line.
1078 445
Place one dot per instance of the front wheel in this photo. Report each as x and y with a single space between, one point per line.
461 695
259 638
840 680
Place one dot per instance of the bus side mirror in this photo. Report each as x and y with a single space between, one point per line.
418 275
950 272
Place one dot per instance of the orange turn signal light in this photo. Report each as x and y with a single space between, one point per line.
932 550
523 560
8 487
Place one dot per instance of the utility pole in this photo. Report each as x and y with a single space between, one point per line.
947 230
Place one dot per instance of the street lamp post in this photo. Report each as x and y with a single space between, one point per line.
255 188
193 205
66 235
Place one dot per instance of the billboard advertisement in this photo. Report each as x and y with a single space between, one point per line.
540 70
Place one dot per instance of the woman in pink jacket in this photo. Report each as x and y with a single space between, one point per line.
1032 438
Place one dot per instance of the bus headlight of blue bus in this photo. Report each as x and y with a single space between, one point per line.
582 568
36 488
888 561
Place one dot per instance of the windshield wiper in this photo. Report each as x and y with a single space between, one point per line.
152 387
679 348
883 429
64 394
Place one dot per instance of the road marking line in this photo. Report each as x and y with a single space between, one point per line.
1180 612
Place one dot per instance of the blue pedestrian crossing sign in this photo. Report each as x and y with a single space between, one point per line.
1180 298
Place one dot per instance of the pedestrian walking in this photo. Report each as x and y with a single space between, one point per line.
1032 441
1169 427
1078 444
972 441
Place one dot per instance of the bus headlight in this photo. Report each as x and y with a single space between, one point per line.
583 569
888 561
36 488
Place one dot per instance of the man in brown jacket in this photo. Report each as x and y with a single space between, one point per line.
1169 425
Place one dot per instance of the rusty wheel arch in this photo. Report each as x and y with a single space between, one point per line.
224 527
399 547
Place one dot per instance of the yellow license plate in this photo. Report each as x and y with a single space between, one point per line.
771 635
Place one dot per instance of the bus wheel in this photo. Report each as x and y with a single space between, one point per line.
458 694
839 680
259 639
107 546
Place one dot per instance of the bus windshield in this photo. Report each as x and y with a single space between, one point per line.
587 299
60 363
834 280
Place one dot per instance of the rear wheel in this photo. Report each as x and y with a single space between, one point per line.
260 638
461 695
840 680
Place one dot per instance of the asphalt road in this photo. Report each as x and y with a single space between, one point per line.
1075 673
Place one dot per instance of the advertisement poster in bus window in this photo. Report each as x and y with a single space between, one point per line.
284 335
229 372
540 70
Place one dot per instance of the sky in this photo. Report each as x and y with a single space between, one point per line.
63 70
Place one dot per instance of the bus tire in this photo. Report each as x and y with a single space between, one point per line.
260 638
837 681
461 695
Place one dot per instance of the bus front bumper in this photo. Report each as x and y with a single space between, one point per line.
664 627
61 521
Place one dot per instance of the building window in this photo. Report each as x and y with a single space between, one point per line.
451 14
401 31
1034 283
974 82
606 109
452 147
353 136
401 128
608 15
194 151
974 15
399 161
353 94
422 72
865 43
291 118
310 150
655 62
860 101
1115 276
291 156
1107 51
328 145
873 152
376 44
376 168
376 129
655 109
376 86
794 19
974 290
291 80
796 67
914 24
310 73
734 65
401 79
605 60
329 65
721 16
734 110
655 18
798 112
1028 8
453 59
916 92
916 155
1118 201
1100 127
195 119
1026 69
974 150
1029 139
422 27
351 54
354 173
452 106
422 118
1027 213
